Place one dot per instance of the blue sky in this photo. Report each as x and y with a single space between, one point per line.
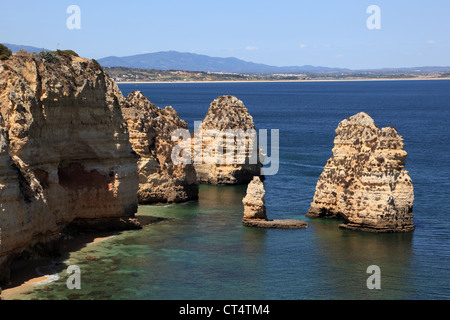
285 32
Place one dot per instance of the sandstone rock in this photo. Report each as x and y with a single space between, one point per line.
255 210
160 180
65 153
254 203
219 165
364 181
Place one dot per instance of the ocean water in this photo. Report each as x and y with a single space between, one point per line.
203 252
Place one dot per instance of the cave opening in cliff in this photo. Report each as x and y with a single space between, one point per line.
75 176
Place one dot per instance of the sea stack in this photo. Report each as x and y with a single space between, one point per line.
65 155
254 202
255 210
365 182
160 180
227 123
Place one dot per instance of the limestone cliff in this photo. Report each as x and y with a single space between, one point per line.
364 181
240 162
255 210
160 180
65 155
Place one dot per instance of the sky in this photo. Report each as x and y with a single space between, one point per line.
331 33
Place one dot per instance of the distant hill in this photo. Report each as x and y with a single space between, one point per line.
173 60
14 48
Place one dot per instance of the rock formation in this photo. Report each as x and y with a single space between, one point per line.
150 127
364 181
65 155
254 202
255 210
227 123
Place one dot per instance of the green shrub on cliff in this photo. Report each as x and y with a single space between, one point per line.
5 53
66 53
97 64
47 56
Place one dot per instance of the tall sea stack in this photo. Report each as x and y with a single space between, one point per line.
227 114
365 182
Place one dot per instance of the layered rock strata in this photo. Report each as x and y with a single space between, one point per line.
255 210
151 128
225 150
365 182
65 155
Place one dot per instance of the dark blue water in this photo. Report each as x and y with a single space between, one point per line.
203 252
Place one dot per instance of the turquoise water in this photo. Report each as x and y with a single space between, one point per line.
201 250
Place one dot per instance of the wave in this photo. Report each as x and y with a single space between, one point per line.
49 271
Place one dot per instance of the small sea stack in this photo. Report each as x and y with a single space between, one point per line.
255 210
226 144
365 182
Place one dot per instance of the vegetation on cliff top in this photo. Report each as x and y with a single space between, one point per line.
5 53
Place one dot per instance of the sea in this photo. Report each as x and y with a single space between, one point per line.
201 251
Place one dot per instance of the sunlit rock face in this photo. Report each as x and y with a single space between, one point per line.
65 153
239 159
151 129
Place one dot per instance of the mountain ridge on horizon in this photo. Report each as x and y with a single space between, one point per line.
175 60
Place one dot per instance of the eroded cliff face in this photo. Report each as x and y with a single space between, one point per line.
65 152
239 166
160 180
364 182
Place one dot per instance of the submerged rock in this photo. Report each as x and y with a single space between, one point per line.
226 114
255 210
150 127
364 182
65 155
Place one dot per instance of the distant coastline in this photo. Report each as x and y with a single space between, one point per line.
266 81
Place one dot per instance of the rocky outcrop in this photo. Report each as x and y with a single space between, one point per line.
254 202
150 127
364 182
65 155
255 210
227 123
